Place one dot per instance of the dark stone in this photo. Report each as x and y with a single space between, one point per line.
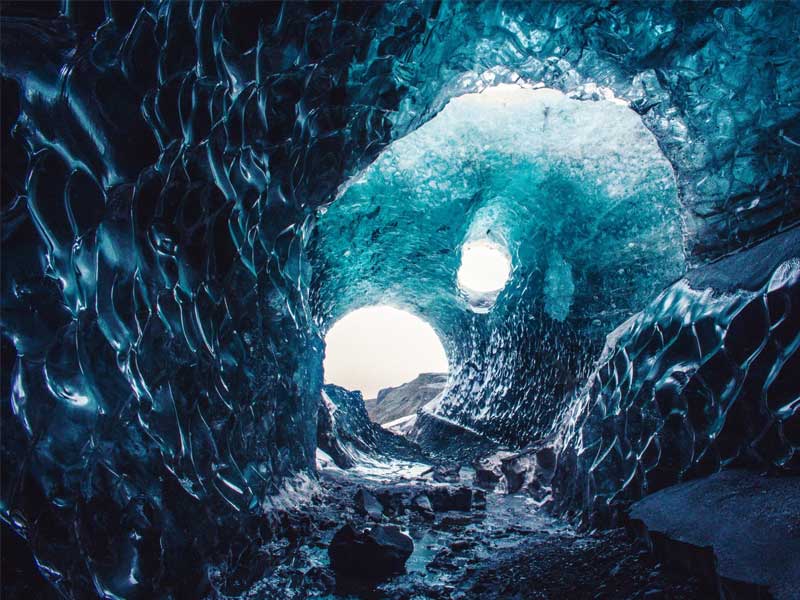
320 579
447 473
451 521
459 545
369 505
735 527
442 561
422 505
514 472
373 554
479 499
488 469
393 502
530 470
487 478
447 498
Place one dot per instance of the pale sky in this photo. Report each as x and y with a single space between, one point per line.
380 346
484 267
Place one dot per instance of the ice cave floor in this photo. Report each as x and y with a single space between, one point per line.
474 543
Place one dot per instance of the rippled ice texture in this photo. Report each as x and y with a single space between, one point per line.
162 169
578 192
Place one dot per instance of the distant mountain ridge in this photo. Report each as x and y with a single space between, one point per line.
396 402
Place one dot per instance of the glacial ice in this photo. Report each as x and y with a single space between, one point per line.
530 169
559 287
193 192
577 193
703 378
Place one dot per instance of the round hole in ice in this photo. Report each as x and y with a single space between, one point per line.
485 267
376 347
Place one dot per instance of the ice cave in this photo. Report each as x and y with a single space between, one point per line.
408 300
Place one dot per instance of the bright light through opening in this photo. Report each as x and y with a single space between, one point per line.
484 267
378 347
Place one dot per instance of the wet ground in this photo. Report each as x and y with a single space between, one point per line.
511 549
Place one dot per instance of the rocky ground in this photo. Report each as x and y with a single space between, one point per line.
467 543
600 565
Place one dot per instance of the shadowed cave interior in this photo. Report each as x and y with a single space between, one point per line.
196 196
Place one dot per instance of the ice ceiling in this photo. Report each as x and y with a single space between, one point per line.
575 192
168 271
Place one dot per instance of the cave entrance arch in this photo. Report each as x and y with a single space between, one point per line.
575 192
377 349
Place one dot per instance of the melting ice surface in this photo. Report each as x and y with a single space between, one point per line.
578 193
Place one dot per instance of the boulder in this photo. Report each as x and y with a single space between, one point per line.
487 478
451 498
447 473
514 471
422 504
479 499
453 522
372 554
736 527
369 505
488 469
459 545
394 501
531 470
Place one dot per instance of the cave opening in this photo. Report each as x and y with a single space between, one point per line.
392 357
524 224
484 272
485 267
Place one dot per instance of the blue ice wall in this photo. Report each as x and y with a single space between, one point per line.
704 378
162 369
162 165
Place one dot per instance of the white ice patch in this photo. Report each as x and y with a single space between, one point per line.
559 287
400 421
377 469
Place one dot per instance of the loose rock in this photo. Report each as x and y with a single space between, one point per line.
369 505
447 473
444 499
375 553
